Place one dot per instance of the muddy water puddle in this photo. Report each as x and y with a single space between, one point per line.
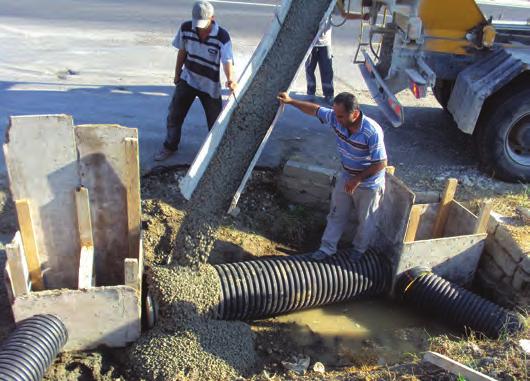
374 332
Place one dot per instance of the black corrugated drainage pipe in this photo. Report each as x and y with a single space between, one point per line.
428 292
31 348
273 286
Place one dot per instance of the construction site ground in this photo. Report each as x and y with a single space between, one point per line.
118 85
269 225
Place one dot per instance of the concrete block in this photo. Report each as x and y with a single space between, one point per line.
488 265
505 239
306 171
98 316
501 295
306 199
321 191
501 257
521 280
494 221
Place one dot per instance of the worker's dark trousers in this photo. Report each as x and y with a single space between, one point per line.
320 55
178 109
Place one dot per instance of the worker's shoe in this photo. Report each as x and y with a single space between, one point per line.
355 254
319 255
163 154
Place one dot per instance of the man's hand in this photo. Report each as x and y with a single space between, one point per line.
231 85
351 185
366 16
284 98
176 80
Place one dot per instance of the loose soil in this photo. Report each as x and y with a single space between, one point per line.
269 225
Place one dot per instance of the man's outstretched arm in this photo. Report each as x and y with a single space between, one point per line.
306 107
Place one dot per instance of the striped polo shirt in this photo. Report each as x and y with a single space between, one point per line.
358 150
203 60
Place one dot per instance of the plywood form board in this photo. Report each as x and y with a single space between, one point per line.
31 149
460 221
134 213
103 171
426 224
98 316
393 216
453 258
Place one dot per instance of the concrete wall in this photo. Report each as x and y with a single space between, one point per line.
504 270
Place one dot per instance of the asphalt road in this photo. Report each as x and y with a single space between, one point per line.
127 61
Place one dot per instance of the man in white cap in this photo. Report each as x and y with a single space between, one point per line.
203 47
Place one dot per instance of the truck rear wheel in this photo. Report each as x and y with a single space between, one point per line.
503 138
442 91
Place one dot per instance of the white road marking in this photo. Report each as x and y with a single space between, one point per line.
243 3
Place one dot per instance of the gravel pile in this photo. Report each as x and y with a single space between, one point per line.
248 125
186 344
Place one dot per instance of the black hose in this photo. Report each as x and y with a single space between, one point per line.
31 348
268 287
428 292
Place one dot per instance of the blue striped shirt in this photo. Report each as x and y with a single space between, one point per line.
358 150
203 60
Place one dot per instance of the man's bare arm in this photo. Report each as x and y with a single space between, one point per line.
306 107
181 57
353 183
228 68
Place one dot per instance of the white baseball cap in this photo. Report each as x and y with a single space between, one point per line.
201 14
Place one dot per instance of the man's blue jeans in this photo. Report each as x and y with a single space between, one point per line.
320 55
181 102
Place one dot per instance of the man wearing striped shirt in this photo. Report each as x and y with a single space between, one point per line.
360 186
203 47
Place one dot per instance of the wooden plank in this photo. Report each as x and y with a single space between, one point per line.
83 217
96 316
390 169
188 184
103 171
483 217
443 211
86 277
414 221
47 178
131 271
134 212
455 367
29 243
17 267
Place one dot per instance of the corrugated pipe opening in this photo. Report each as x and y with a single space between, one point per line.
31 348
273 286
428 292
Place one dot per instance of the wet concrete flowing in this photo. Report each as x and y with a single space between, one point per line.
186 343
249 123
